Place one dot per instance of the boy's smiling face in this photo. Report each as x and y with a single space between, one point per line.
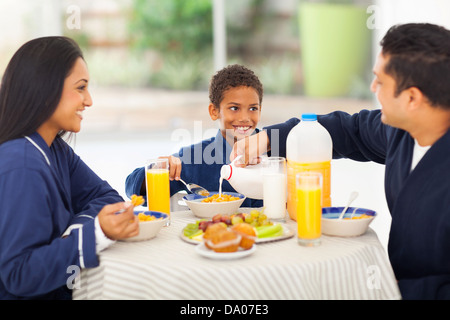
238 114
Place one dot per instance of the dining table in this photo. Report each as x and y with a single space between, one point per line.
168 267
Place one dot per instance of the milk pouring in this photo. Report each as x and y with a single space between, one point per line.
308 148
248 180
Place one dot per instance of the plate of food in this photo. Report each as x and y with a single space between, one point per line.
202 250
265 230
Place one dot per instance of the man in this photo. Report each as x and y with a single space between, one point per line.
411 136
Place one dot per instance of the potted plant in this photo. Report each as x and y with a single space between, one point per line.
335 45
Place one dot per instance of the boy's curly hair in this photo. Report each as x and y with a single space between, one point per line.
230 77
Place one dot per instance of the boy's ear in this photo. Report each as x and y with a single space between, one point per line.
213 112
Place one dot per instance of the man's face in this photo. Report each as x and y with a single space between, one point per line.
384 86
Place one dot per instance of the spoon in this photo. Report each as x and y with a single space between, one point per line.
195 188
353 196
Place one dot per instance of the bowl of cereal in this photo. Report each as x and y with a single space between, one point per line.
214 203
355 221
150 223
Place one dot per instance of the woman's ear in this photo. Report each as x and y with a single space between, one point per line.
213 112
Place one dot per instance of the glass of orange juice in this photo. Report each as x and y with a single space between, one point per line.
309 207
157 181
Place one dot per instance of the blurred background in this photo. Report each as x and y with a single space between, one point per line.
150 63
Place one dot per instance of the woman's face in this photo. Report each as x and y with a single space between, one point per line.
75 98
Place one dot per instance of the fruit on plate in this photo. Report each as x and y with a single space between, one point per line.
192 230
248 234
263 227
255 218
203 224
267 231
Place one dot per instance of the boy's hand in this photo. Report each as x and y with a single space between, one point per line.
174 167
251 148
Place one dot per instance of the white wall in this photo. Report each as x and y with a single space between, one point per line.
391 12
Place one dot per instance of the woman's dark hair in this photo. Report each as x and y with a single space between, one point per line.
419 56
32 84
233 76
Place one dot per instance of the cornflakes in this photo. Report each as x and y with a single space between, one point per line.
143 217
137 200
220 198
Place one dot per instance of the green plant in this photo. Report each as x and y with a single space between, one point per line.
334 1
117 68
278 74
180 73
183 26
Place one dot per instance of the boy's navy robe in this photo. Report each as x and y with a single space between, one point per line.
200 164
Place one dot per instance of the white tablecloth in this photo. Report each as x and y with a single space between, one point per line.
167 267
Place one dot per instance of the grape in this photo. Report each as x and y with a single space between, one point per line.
262 217
236 220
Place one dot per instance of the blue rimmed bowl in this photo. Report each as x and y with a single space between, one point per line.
149 229
346 227
209 209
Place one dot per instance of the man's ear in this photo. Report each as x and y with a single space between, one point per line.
416 98
213 112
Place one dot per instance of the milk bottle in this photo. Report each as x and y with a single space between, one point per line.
248 180
308 148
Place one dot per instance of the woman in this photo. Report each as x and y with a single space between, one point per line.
56 214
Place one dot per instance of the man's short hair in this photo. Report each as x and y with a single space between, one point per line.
419 56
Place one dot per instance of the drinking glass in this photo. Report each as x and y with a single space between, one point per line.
309 208
157 181
274 187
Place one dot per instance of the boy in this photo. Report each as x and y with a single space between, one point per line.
235 101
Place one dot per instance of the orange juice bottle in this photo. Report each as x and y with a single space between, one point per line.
309 208
308 148
158 188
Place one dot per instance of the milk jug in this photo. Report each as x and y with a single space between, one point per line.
247 180
308 148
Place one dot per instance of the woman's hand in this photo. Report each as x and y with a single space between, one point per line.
174 167
118 225
250 148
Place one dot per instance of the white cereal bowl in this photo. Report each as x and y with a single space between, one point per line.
149 229
209 209
332 226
